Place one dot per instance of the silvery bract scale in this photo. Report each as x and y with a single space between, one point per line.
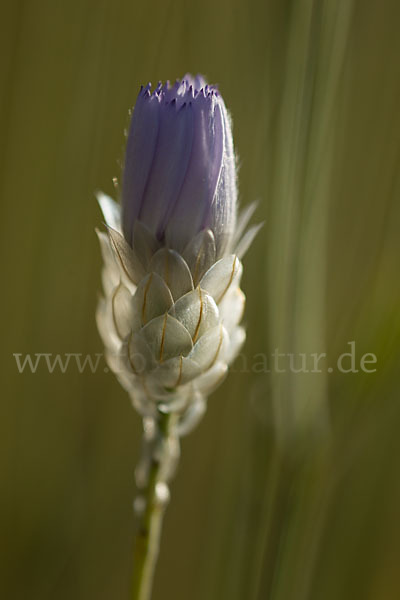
172 305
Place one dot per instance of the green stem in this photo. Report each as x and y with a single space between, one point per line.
155 497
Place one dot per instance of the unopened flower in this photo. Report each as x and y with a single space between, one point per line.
172 306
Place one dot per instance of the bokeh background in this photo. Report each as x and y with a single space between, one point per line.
290 487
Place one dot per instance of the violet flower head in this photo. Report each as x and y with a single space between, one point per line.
179 175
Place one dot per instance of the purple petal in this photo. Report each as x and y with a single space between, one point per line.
198 82
192 210
140 149
174 146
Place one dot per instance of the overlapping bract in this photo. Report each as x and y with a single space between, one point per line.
172 304
169 321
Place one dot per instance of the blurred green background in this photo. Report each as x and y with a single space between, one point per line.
290 487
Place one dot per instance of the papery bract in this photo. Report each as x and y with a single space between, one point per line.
172 306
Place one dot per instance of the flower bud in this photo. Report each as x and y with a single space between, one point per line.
179 175
172 305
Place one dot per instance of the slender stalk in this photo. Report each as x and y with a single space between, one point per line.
154 498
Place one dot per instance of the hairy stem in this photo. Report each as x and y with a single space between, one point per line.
161 452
